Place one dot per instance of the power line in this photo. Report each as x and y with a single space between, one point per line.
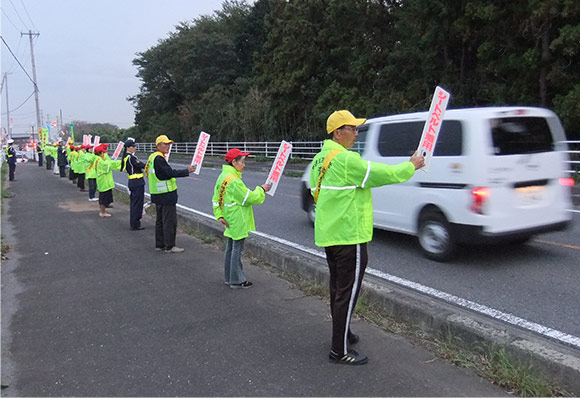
18 15
21 105
28 15
9 20
9 49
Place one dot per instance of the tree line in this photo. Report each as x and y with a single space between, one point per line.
276 69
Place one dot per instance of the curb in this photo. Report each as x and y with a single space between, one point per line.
555 361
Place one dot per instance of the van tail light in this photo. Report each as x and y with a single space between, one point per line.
567 182
479 197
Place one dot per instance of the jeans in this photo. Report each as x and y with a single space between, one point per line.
92 187
233 267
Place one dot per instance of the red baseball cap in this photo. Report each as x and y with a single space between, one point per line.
234 153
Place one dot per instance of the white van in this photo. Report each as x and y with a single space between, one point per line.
497 175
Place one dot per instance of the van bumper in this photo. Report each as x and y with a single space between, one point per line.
474 234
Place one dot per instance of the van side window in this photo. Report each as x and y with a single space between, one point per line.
359 145
519 135
402 139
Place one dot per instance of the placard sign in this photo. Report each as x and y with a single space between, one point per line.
433 125
97 140
168 153
202 142
277 169
118 150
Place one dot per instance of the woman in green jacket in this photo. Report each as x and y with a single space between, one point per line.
232 206
105 182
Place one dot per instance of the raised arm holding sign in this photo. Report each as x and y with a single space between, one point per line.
433 125
277 168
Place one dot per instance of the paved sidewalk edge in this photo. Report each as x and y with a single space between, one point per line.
555 361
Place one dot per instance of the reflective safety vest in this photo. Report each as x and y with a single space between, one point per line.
344 210
157 186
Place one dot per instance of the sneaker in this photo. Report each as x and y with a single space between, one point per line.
158 249
93 199
104 215
174 249
351 358
244 285
353 339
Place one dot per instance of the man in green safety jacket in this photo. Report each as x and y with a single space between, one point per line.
163 190
341 182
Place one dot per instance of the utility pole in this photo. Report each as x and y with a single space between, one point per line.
30 34
5 87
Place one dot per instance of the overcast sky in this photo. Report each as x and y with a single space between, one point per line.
83 55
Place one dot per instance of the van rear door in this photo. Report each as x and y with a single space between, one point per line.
523 171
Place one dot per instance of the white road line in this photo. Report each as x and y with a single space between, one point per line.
473 306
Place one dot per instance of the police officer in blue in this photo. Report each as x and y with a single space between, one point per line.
11 158
134 168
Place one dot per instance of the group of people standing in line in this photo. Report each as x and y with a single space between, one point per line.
340 182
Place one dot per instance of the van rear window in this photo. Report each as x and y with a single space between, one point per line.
520 135
402 139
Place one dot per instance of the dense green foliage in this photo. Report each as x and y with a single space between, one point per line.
276 69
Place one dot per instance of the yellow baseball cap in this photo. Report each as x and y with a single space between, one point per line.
163 139
342 118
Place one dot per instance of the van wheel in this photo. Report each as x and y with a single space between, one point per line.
312 212
435 237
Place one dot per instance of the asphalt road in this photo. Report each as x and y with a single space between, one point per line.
537 281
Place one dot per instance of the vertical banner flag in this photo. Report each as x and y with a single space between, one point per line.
277 169
433 125
97 140
118 150
72 132
41 136
45 134
85 139
199 154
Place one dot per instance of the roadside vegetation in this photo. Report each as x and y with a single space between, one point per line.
275 69
5 194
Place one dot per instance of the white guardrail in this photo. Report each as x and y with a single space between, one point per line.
303 149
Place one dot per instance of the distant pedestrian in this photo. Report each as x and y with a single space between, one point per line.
105 181
341 183
61 159
81 167
91 173
163 190
136 184
40 153
232 207
11 158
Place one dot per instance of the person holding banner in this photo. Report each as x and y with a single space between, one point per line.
163 190
341 185
105 182
232 207
90 159
134 168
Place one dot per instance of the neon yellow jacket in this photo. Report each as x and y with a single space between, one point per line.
90 159
344 211
105 169
237 204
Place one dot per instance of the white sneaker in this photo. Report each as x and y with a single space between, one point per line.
175 249
93 199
